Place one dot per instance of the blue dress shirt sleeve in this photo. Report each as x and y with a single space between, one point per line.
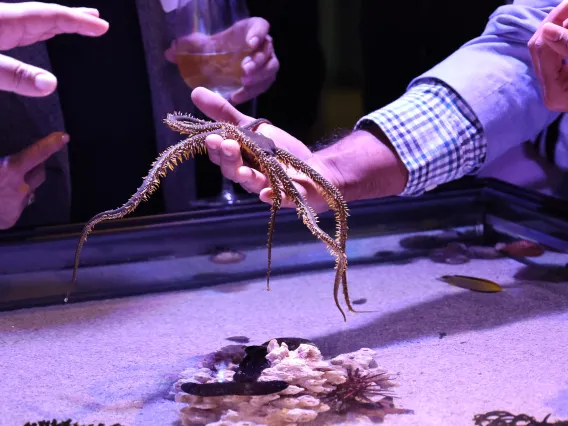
473 106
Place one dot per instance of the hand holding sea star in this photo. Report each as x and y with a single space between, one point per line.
263 154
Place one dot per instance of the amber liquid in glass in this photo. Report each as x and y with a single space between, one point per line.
218 72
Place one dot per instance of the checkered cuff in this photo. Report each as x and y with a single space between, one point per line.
435 133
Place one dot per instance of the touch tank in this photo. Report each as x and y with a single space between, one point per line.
462 294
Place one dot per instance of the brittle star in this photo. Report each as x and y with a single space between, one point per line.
261 153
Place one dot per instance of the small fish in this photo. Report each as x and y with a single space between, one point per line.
472 283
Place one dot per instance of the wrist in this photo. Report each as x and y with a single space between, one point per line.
363 165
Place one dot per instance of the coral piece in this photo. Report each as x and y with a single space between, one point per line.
348 388
504 418
262 154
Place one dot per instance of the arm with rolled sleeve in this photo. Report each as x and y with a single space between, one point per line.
473 106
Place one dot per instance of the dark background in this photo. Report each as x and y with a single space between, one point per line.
341 59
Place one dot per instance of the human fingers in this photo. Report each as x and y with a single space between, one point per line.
251 180
231 158
217 107
27 198
553 77
266 196
26 23
265 78
556 37
39 152
61 19
259 57
35 177
88 10
260 65
558 14
24 79
549 68
257 31
213 145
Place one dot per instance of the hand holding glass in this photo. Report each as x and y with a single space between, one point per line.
211 44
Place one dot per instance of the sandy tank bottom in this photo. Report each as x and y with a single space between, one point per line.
454 353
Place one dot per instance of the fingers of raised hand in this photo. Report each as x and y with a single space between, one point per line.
549 48
17 192
29 22
39 152
84 21
24 79
556 37
35 177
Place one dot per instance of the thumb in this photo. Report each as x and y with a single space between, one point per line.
556 37
24 79
39 152
217 107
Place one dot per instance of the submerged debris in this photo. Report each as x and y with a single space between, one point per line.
228 257
63 423
234 388
504 418
347 388
239 339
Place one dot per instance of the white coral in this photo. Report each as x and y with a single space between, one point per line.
309 376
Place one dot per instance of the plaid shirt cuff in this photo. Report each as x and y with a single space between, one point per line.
435 133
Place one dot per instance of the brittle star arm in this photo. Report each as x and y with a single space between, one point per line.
167 160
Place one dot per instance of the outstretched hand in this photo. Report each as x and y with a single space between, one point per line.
259 68
22 173
22 24
549 50
226 153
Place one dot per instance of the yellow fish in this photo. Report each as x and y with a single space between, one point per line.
472 283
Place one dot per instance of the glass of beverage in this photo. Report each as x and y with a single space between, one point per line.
210 45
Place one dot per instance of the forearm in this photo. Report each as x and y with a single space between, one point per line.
364 165
425 138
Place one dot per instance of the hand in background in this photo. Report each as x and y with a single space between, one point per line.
22 24
227 155
549 49
22 173
260 68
